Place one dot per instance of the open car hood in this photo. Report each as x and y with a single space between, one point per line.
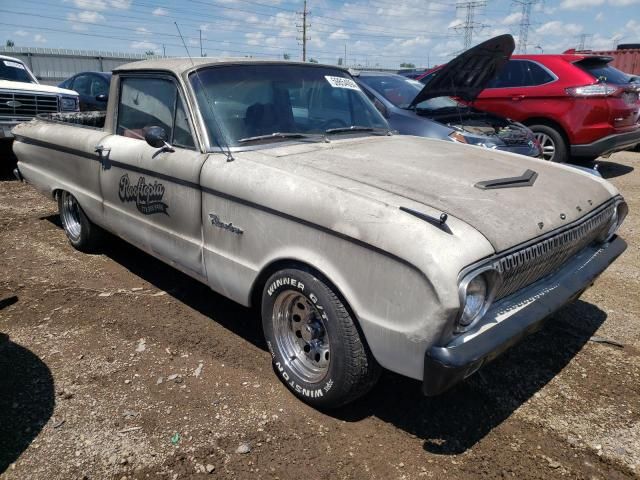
470 72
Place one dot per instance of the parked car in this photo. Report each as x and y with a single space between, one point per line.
279 185
22 97
429 110
93 88
577 104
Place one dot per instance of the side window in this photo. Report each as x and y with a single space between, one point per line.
521 73
99 86
538 75
149 102
182 133
82 85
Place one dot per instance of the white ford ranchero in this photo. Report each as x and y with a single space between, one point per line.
279 184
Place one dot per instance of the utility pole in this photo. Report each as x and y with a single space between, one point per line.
164 51
200 30
469 24
583 40
303 29
525 22
345 55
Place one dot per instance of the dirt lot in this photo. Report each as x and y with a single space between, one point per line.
120 367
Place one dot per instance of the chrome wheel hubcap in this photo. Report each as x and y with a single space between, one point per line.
301 336
547 145
70 216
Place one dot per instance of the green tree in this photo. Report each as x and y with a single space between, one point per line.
149 53
10 43
313 60
340 61
286 56
407 65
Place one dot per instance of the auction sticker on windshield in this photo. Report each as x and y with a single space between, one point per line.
13 64
341 82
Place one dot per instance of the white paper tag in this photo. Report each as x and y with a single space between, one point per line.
9 63
341 82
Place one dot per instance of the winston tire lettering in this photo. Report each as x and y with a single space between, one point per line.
306 392
147 197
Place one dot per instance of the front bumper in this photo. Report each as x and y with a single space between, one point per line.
606 145
514 317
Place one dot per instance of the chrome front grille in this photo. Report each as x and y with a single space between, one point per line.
530 264
26 105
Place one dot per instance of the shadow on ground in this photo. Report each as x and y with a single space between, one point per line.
27 398
450 423
453 422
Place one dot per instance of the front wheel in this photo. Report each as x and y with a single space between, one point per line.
315 345
554 147
82 234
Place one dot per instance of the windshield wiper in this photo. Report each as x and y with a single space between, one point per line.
284 135
357 128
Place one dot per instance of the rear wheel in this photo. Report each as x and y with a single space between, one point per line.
316 348
82 234
554 146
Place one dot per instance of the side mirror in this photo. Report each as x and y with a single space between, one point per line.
381 107
157 138
103 97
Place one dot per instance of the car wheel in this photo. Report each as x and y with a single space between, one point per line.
554 146
316 348
82 234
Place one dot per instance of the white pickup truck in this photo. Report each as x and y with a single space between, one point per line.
22 97
280 185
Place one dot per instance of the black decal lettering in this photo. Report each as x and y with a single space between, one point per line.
148 198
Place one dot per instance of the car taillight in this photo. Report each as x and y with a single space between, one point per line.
595 90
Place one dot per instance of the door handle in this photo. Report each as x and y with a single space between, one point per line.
100 149
517 98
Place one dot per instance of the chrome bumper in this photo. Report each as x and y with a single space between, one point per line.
514 317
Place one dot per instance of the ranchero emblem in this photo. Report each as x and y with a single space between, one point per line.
14 103
216 222
148 197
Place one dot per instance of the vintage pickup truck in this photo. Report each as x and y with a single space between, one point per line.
279 185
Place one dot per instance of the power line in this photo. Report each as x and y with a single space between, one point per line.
525 23
469 25
151 34
223 26
367 31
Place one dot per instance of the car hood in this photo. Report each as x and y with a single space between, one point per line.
469 73
35 87
405 171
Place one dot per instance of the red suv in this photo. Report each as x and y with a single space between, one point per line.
576 104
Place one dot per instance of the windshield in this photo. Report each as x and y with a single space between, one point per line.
401 91
250 101
15 72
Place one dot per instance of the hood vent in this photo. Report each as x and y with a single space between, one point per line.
527 179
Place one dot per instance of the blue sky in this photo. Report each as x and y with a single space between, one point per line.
376 32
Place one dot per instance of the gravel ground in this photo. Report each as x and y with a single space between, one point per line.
118 366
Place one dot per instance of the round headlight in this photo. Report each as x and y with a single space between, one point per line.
475 299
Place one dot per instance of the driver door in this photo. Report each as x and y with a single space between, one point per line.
152 196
